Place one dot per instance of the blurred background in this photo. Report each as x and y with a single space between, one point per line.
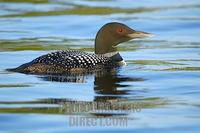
162 74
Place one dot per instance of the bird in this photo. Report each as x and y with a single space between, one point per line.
105 56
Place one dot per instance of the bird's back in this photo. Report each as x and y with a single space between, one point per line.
66 61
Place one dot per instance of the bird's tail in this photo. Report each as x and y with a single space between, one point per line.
20 69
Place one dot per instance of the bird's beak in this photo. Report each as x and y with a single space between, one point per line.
139 34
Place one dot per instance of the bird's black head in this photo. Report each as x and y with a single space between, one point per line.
112 34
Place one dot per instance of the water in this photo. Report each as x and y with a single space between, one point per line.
157 91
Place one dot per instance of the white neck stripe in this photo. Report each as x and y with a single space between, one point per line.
110 54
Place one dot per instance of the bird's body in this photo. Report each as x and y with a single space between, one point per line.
68 61
105 56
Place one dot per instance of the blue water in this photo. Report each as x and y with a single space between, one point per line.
160 81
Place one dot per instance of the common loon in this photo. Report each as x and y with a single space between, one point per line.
105 56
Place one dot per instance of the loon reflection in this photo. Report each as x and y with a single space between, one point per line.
111 89
106 82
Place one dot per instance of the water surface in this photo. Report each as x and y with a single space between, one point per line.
160 82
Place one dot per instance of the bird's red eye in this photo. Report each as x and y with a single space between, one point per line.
119 30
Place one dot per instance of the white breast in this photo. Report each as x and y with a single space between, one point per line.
122 63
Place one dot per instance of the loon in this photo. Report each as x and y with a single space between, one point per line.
106 55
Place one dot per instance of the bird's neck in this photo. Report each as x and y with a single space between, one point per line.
111 54
116 57
104 43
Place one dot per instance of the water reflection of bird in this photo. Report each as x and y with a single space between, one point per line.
110 88
105 57
108 83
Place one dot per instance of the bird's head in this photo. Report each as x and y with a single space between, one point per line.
114 33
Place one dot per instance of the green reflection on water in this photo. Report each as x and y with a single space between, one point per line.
64 106
13 85
37 44
183 69
82 10
26 1
154 62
